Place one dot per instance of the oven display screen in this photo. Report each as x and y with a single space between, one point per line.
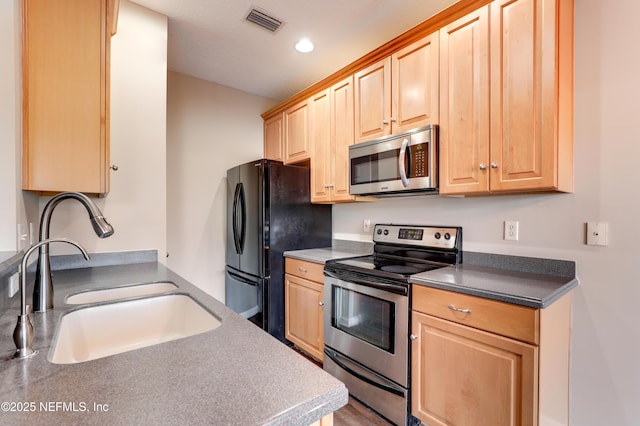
410 234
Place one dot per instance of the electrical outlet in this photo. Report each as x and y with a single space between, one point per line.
511 228
366 225
14 285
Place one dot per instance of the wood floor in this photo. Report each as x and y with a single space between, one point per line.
357 414
354 413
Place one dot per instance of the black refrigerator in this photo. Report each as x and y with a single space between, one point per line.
268 212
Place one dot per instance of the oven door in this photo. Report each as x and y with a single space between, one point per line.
369 325
398 163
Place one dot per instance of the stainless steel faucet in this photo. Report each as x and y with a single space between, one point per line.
43 289
23 333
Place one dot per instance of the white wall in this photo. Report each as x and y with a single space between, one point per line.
605 377
136 204
210 128
13 209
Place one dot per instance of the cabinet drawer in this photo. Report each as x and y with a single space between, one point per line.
518 322
307 270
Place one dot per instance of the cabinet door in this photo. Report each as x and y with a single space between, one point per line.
464 376
373 101
296 132
273 138
66 96
304 315
525 93
320 124
464 104
341 137
414 85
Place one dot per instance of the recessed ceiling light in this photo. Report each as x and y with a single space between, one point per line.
304 45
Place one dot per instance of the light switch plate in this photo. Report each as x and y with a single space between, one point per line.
597 233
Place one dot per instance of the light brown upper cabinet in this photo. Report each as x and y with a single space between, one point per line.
66 48
331 133
398 93
273 137
507 116
296 133
464 104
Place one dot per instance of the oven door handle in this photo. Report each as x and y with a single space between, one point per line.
334 357
397 289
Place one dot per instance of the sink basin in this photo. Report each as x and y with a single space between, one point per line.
115 293
98 331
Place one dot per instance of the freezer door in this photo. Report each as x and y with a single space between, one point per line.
244 295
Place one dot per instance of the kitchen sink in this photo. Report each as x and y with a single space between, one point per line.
97 331
122 292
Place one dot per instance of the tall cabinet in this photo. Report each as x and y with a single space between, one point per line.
331 135
464 104
66 48
507 99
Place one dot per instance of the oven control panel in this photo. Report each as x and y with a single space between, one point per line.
420 236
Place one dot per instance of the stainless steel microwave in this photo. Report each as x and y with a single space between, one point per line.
400 164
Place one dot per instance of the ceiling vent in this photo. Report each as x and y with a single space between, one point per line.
262 19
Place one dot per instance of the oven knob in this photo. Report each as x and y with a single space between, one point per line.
386 232
437 235
379 231
447 236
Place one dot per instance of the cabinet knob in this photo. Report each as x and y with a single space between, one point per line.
321 303
114 167
413 337
385 122
304 271
494 165
483 166
393 120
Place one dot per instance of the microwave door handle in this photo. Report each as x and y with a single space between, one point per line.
401 160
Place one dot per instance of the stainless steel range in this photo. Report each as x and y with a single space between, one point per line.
366 321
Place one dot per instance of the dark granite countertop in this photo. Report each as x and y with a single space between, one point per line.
321 255
531 282
235 374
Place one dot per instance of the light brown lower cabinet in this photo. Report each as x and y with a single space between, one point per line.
304 306
325 421
482 362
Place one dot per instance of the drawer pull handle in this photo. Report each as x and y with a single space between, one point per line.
464 311
304 271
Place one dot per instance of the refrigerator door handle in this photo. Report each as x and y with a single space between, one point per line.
243 228
239 218
242 279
